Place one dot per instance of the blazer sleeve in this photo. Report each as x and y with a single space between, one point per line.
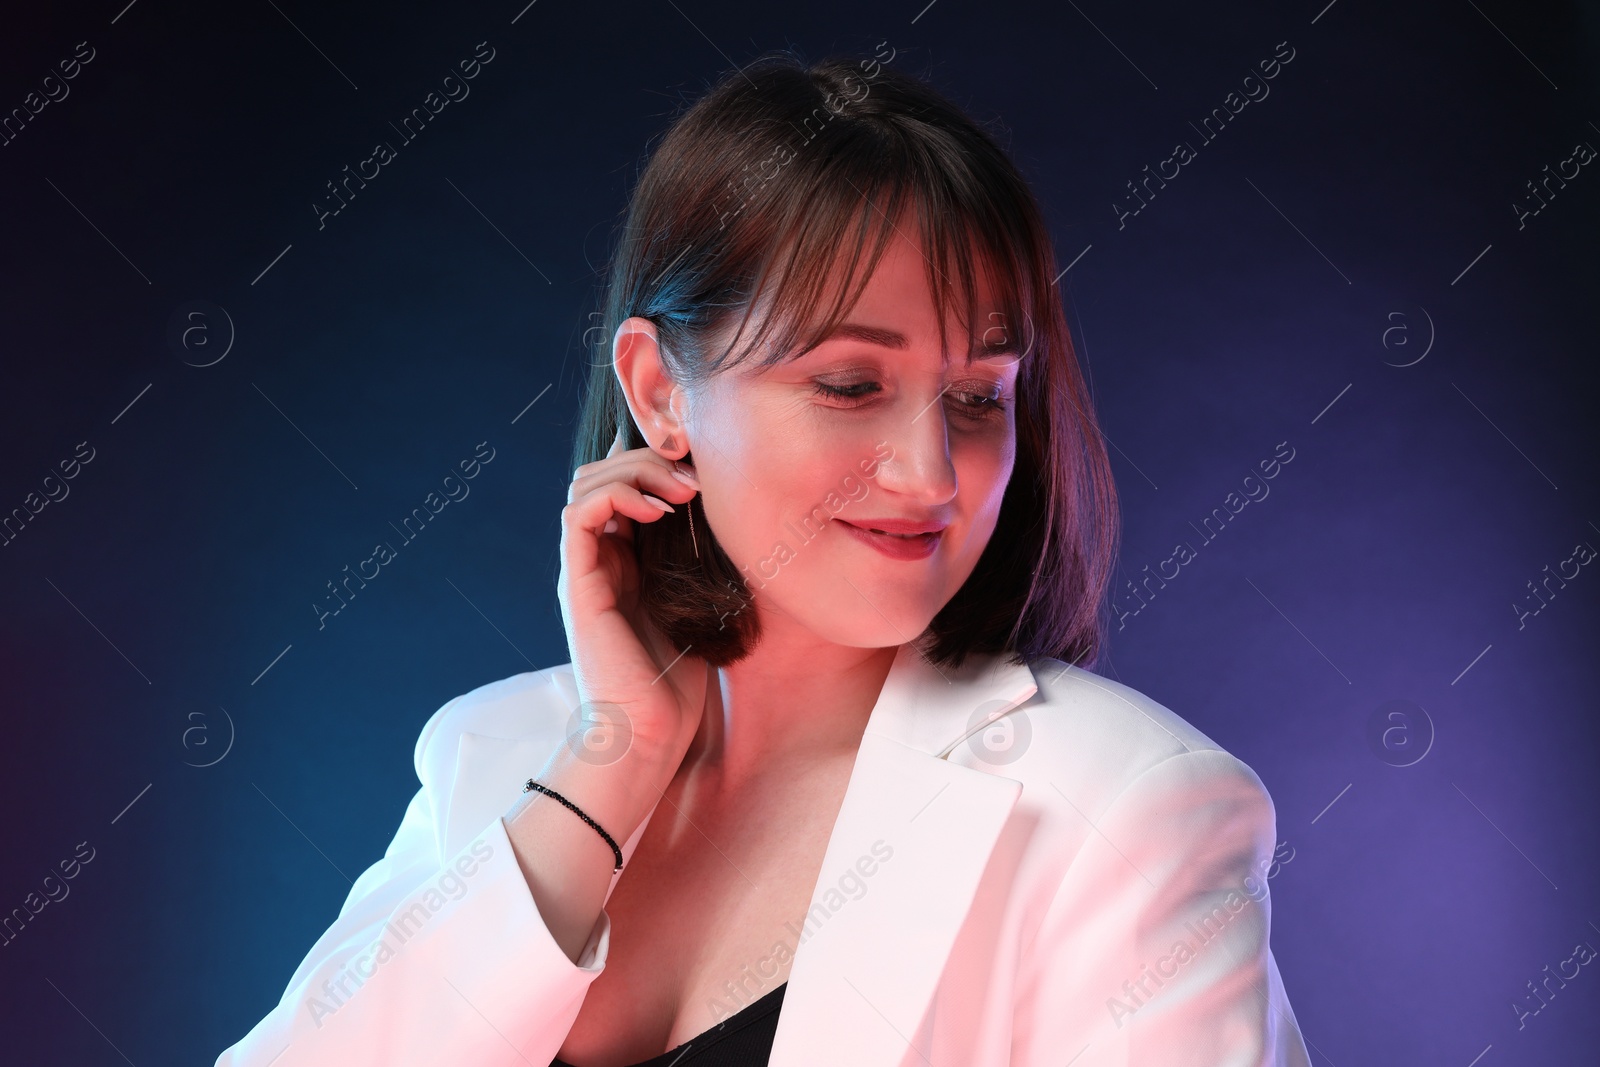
1154 950
432 959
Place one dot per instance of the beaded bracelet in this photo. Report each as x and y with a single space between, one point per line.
615 851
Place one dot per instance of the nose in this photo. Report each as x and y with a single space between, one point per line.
919 468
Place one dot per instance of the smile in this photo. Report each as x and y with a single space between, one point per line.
896 546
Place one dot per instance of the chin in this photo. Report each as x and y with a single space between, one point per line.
870 629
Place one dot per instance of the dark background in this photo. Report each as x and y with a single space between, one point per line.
1359 216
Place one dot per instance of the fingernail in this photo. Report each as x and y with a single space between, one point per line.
686 478
662 504
610 526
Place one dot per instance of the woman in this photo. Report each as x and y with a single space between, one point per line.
823 781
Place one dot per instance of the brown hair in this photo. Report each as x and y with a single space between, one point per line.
750 198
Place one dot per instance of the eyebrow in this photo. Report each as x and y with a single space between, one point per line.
885 338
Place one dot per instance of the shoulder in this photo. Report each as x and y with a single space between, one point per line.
524 705
1089 740
1090 704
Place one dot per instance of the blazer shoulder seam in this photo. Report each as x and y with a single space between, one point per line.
456 707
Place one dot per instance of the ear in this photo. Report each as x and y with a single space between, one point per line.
656 402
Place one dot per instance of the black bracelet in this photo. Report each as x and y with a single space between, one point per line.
615 851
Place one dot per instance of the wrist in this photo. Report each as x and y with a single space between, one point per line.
618 792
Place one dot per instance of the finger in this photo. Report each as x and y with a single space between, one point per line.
643 469
585 519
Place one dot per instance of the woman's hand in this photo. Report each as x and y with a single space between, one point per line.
642 695
630 678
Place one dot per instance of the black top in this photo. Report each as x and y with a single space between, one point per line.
743 1039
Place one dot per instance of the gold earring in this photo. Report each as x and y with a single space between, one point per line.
691 528
666 446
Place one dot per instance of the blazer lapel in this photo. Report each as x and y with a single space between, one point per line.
905 857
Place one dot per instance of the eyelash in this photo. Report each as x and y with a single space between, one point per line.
993 408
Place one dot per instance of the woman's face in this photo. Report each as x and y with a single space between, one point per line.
792 476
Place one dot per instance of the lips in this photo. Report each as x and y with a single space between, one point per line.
909 545
897 526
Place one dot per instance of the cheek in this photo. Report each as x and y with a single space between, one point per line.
983 470
781 529
792 485
763 470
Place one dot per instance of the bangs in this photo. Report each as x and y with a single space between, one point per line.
835 219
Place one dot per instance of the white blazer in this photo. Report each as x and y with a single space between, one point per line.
1093 893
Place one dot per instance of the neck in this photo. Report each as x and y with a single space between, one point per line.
790 698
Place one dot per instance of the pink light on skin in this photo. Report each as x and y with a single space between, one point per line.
770 443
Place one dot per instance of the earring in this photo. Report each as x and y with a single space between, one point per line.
691 528
666 446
